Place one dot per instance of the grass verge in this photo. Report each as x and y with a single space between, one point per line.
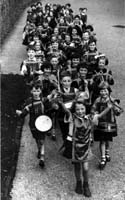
13 93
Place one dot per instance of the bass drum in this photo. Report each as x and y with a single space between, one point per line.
43 123
105 131
107 127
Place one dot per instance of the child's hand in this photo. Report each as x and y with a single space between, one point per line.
96 119
18 112
110 105
91 81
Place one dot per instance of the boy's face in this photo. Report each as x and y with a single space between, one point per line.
53 39
92 46
40 13
83 72
67 39
61 20
66 81
54 61
36 92
76 20
104 92
84 12
37 47
54 7
45 24
80 110
31 53
75 61
36 39
55 45
56 31
39 28
47 71
85 36
74 31
101 63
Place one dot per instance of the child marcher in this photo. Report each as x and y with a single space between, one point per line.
30 65
75 58
67 94
79 132
49 82
90 57
105 109
35 107
101 74
83 84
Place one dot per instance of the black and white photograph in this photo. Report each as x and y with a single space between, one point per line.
62 99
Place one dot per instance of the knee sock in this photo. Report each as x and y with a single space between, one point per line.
85 175
77 170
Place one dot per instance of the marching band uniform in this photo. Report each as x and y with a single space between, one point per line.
106 127
79 133
100 76
28 68
67 95
35 107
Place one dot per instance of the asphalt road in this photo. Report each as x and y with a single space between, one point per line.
57 181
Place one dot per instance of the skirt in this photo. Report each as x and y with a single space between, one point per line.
105 131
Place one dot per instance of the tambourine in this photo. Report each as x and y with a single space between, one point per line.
43 123
68 104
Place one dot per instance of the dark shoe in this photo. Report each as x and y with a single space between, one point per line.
102 163
108 158
78 188
38 155
41 164
86 190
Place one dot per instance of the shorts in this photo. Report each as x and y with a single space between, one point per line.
38 135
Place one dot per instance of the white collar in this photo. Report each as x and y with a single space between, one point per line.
67 90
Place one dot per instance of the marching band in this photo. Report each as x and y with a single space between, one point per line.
70 84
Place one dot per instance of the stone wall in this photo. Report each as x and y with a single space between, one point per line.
10 11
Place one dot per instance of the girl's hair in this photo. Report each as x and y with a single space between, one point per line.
35 85
90 27
103 58
64 74
91 41
82 65
30 47
77 101
47 65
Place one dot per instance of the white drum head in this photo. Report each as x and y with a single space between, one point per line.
68 104
43 123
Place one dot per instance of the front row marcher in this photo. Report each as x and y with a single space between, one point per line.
79 132
105 108
35 107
